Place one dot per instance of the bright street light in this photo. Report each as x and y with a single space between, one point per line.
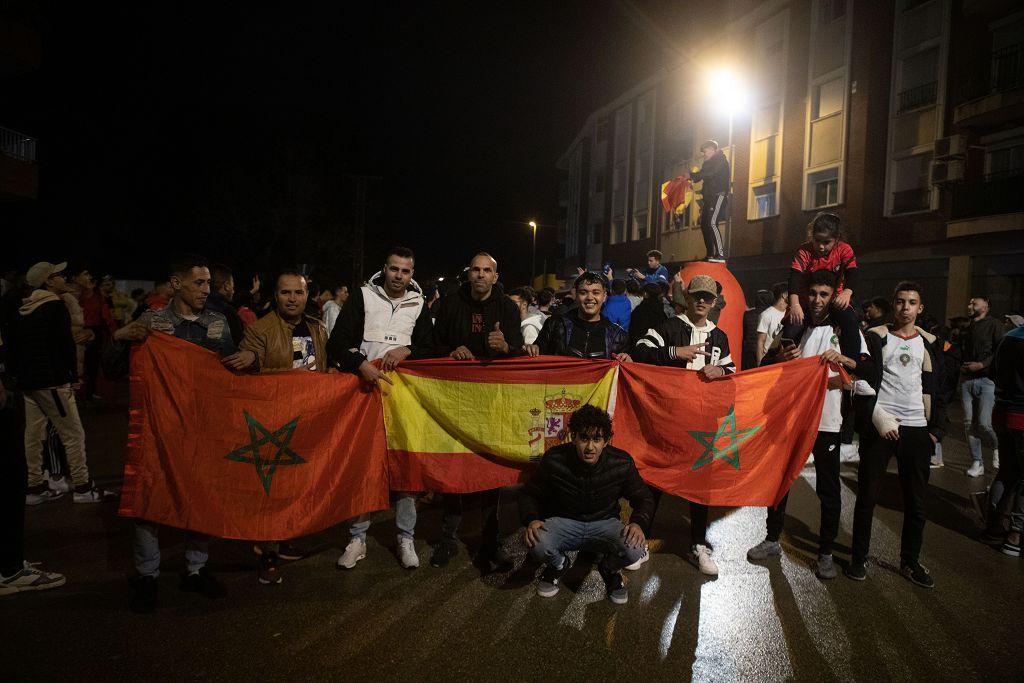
533 257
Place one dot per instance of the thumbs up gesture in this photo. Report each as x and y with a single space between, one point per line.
496 340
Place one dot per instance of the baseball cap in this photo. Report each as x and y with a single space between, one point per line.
703 283
40 272
1014 319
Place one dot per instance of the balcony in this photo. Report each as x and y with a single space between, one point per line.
911 201
995 193
19 174
915 98
1000 98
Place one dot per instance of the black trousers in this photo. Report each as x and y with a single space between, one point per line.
828 488
711 212
13 482
913 452
698 520
454 506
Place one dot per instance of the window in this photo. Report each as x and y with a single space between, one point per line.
828 99
823 188
594 236
598 183
831 10
911 186
765 201
1005 162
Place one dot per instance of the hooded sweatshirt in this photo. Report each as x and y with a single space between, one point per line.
43 349
463 321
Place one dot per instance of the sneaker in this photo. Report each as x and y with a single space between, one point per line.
407 554
700 556
30 579
993 535
826 567
643 558
810 461
144 597
268 573
857 570
616 589
444 551
995 459
716 259
849 452
204 583
1010 547
547 586
354 551
90 493
286 551
917 573
936 461
976 469
59 484
763 550
37 495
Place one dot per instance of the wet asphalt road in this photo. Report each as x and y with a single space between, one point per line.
753 623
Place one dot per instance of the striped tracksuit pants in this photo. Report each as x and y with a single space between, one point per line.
712 212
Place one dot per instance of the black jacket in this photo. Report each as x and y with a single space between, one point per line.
565 486
978 344
555 338
1007 371
462 321
43 350
933 382
648 314
715 174
658 346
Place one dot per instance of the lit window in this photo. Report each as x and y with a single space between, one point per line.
764 201
823 188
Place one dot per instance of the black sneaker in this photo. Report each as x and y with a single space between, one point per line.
616 589
269 575
493 557
144 598
204 583
917 573
547 585
857 570
444 551
286 551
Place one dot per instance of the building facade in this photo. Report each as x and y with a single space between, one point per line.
905 118
19 59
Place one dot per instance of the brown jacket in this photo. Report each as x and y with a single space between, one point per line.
270 338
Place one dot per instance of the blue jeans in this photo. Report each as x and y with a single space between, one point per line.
604 536
146 548
405 518
983 389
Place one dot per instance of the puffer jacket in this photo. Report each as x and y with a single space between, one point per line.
555 337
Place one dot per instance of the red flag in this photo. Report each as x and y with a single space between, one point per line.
246 456
674 193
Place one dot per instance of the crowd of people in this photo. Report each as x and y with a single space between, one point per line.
61 335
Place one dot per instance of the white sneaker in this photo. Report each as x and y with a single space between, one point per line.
848 452
94 495
701 556
643 558
976 469
60 484
30 579
354 551
407 554
44 496
995 459
810 461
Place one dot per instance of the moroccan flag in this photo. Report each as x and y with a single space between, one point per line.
244 456
676 194
738 440
463 426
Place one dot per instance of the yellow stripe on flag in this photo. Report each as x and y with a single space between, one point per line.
514 421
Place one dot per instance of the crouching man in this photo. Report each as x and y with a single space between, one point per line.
572 503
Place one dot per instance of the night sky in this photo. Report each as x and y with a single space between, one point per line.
230 132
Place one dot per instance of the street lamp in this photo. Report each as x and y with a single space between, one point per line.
730 96
533 257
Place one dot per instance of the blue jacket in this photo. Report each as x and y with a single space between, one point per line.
618 309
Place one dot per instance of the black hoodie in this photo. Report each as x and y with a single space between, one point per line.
463 321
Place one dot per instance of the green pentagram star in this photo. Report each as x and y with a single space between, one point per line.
727 430
266 467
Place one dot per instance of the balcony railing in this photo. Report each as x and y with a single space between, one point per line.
908 201
17 145
921 96
996 193
1006 72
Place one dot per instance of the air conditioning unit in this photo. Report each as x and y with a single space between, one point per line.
947 171
953 146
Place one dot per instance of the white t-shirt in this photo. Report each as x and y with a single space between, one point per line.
900 393
770 322
699 336
816 341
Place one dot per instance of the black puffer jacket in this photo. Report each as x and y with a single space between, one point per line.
565 486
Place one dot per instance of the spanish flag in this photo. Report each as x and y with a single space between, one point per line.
463 426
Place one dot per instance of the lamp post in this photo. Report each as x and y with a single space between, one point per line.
533 256
730 96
